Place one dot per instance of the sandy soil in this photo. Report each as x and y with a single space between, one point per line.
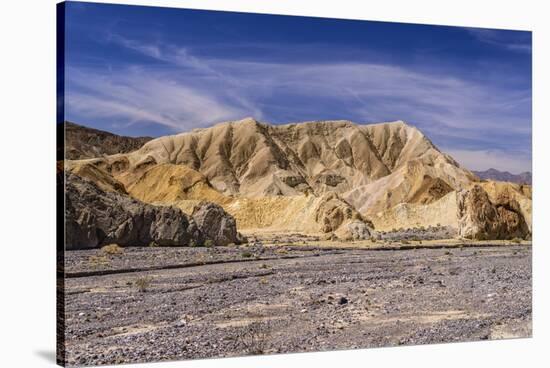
151 304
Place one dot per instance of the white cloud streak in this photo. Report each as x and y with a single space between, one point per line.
190 92
136 96
452 102
498 38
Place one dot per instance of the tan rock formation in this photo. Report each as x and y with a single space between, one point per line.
102 179
481 219
503 192
307 177
410 215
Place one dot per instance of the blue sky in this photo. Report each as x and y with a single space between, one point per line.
136 70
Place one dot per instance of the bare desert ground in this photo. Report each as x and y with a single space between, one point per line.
163 303
348 236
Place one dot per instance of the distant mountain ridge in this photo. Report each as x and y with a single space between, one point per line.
82 142
494 174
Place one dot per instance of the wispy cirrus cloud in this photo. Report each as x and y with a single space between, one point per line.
187 91
514 41
135 95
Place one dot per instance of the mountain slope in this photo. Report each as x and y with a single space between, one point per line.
309 177
493 174
256 160
82 142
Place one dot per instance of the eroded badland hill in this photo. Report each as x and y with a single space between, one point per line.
334 178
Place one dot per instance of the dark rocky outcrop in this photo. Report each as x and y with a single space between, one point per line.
481 219
493 174
216 224
94 218
82 142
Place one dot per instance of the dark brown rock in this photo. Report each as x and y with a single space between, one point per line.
95 218
83 142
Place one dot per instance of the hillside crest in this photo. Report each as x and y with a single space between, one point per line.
299 176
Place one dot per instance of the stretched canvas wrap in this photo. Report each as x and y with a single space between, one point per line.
237 184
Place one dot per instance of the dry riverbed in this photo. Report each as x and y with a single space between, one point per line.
152 304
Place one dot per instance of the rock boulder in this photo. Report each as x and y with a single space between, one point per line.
333 211
216 224
481 219
359 230
94 218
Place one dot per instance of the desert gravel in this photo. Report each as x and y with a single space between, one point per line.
231 301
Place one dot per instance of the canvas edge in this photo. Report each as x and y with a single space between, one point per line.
60 185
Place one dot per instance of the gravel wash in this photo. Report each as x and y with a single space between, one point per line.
222 302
